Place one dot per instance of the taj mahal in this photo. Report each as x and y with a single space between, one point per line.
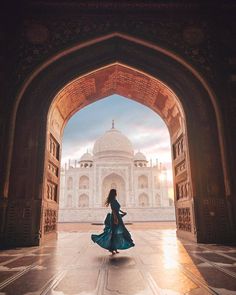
142 187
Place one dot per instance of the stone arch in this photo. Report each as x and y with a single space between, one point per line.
143 200
114 180
136 69
84 182
142 181
83 201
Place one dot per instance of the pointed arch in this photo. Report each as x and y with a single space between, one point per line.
100 67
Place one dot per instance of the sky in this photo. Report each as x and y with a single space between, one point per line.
144 128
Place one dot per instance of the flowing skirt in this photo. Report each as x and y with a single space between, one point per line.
114 236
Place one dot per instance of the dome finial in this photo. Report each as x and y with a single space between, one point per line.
113 124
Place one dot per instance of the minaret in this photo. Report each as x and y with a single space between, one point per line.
113 124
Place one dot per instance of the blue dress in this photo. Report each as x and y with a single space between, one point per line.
115 235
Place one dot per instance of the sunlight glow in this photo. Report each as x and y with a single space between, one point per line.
162 177
170 250
169 175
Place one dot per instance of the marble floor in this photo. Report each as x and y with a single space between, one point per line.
158 264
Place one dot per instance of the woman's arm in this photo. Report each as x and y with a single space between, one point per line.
123 213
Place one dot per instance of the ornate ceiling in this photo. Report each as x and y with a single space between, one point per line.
115 79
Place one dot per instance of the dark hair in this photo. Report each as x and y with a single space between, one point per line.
111 197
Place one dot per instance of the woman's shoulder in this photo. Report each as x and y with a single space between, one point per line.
114 203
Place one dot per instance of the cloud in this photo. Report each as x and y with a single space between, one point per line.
145 129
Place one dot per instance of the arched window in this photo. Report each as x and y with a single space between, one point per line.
142 181
143 200
69 201
115 181
83 201
70 183
84 182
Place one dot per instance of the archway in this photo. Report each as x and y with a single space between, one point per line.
83 201
143 200
137 70
115 181
70 183
142 181
84 182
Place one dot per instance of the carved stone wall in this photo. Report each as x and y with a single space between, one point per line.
45 52
120 79
40 38
182 186
216 222
50 221
21 223
184 219
51 184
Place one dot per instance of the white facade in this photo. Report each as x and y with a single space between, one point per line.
142 189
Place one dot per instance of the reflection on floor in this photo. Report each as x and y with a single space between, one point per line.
158 264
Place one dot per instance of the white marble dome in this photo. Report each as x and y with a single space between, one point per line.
86 157
113 144
140 157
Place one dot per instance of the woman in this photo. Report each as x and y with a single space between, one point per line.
115 235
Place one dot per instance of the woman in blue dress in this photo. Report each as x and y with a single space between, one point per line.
115 235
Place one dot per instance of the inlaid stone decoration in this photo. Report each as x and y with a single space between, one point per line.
53 168
20 215
214 217
48 36
125 81
51 187
54 147
178 148
56 123
180 167
182 190
52 191
37 33
50 220
193 35
184 219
